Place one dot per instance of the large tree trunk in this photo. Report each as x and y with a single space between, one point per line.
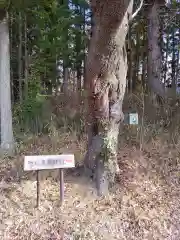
154 48
7 141
106 72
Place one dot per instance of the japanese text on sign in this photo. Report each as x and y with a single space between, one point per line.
48 162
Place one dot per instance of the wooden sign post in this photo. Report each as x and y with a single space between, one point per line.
37 163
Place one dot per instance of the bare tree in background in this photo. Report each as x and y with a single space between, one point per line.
7 140
154 48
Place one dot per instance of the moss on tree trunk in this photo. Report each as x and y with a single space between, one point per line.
106 72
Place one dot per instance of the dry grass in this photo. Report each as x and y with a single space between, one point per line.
144 205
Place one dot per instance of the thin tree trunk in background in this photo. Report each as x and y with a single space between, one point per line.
11 52
79 75
74 76
143 59
178 63
173 64
88 46
65 78
106 72
57 78
7 140
136 60
20 57
89 125
65 55
85 46
26 58
144 71
130 61
49 88
166 59
78 56
92 24
154 50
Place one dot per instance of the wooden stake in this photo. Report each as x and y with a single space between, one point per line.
37 184
61 179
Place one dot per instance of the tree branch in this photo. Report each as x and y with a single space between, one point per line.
173 16
137 11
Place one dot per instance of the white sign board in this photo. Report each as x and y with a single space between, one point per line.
133 118
48 162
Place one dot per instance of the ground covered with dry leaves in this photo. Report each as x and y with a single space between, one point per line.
144 205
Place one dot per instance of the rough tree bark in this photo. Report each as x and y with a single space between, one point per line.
106 71
7 140
154 69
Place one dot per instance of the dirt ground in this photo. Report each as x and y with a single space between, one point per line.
144 204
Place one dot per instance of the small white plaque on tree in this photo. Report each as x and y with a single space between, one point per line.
43 162
133 118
